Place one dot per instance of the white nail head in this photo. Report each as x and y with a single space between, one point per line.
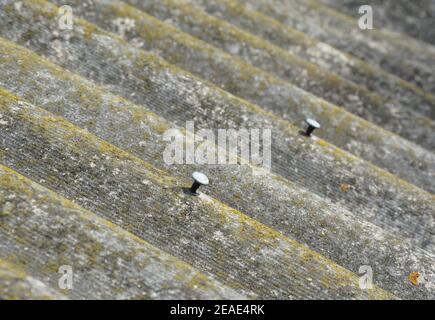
313 123
200 178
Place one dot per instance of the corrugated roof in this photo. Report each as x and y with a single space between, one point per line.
83 182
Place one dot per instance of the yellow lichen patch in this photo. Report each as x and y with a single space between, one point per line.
88 31
16 284
388 177
224 30
299 203
153 30
199 282
9 270
265 236
43 8
93 249
238 9
338 154
150 28
89 98
413 277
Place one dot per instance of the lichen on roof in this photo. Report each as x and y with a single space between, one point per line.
83 182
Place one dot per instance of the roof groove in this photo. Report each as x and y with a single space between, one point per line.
57 139
194 89
385 49
257 52
353 134
71 235
95 135
370 148
419 22
116 126
15 284
283 163
320 53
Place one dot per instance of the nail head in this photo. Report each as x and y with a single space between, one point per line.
313 123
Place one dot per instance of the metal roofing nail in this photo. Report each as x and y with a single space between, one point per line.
312 125
199 179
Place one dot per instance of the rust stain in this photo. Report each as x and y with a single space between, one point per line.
344 187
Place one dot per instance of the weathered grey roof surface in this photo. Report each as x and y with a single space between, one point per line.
83 183
415 18
394 52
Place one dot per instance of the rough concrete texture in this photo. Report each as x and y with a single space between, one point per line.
94 135
415 18
283 65
43 231
321 53
309 161
15 284
393 52
165 84
140 132
151 204
257 86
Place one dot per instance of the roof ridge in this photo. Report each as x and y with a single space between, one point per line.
15 284
35 193
390 34
364 46
373 77
238 227
379 145
134 124
331 151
